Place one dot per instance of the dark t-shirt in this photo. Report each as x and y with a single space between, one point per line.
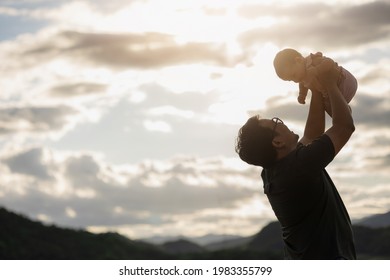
315 223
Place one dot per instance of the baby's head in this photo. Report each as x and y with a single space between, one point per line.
284 60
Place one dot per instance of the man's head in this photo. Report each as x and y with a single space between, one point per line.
262 141
289 65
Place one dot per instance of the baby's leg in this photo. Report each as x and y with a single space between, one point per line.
348 85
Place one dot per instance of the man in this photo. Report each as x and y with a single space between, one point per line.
315 223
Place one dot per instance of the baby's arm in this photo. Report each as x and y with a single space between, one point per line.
302 93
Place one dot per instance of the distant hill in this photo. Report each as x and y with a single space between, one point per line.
376 221
229 243
182 246
370 243
209 239
202 240
269 239
22 238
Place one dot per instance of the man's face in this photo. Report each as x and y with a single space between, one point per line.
280 131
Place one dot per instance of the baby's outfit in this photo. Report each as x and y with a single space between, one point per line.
347 83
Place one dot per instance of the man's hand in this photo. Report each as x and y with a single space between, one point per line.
329 74
323 64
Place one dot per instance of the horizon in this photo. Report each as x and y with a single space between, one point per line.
202 240
122 116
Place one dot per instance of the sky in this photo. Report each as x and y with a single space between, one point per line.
122 115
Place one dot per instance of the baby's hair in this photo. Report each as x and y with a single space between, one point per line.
284 58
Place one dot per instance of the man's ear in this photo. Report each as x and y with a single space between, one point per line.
277 143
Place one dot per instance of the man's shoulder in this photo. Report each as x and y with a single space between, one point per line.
321 150
323 139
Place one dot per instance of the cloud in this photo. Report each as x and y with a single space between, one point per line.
157 126
376 75
371 110
124 51
82 171
368 110
253 11
30 162
154 194
385 160
136 127
77 89
34 119
366 152
94 193
333 27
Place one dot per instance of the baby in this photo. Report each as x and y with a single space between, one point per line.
290 65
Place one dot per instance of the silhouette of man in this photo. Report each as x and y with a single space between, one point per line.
314 221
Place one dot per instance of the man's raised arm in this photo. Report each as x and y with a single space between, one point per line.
315 123
342 121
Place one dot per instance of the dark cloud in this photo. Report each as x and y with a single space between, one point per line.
253 11
374 75
121 51
34 119
373 13
77 89
29 163
320 26
372 111
179 197
378 163
82 171
386 160
116 203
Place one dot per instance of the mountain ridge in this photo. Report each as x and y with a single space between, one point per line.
22 238
375 221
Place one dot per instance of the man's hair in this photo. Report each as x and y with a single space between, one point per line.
284 59
254 143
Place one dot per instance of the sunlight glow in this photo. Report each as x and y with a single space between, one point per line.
159 126
70 212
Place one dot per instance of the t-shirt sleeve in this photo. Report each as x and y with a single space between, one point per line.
316 155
